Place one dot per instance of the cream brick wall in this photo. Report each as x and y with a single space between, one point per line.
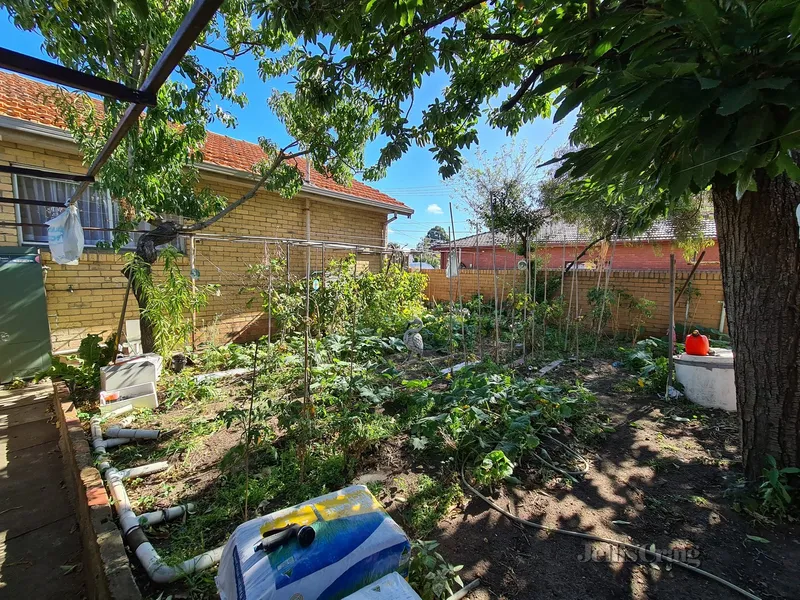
704 310
87 298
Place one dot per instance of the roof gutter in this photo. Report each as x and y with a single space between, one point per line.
56 133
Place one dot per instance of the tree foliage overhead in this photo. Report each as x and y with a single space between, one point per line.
670 92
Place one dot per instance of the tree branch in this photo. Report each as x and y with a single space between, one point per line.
426 25
279 158
585 250
226 52
514 38
534 75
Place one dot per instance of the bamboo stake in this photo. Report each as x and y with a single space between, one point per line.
513 310
480 298
605 291
563 266
247 432
355 318
533 322
671 332
458 286
526 297
269 302
546 276
494 276
571 288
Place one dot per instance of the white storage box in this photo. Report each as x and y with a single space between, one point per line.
137 396
390 587
141 369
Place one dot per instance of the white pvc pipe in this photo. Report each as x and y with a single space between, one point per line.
129 523
221 374
160 572
168 514
156 568
143 470
134 434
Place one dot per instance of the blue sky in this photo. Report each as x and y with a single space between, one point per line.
414 179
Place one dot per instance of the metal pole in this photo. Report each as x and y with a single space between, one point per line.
671 331
194 290
449 273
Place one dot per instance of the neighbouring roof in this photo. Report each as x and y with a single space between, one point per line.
559 232
23 98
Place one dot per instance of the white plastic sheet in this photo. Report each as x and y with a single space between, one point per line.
65 236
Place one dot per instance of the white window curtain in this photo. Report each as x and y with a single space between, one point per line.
97 209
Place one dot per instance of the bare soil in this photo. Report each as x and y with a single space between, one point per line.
666 482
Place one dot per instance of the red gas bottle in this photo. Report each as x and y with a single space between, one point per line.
696 344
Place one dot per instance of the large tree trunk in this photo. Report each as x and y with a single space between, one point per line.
146 250
760 257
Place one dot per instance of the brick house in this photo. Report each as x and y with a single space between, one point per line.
87 298
558 243
475 252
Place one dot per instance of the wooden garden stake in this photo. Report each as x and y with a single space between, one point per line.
671 331
480 298
458 286
494 276
248 432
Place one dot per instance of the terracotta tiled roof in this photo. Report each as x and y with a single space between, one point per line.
559 232
23 98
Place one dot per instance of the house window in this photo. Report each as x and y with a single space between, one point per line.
97 209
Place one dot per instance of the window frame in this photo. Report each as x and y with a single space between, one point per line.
110 207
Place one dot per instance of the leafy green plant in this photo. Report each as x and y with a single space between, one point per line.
431 576
167 301
641 310
648 359
185 389
81 371
430 503
494 468
775 493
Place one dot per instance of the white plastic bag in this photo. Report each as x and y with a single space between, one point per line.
65 236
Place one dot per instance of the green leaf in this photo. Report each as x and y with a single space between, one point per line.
706 83
745 183
558 80
602 48
758 539
772 83
794 26
572 101
748 129
736 99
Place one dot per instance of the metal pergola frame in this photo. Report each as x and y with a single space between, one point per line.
198 17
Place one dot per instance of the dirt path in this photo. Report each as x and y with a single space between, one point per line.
40 550
664 481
